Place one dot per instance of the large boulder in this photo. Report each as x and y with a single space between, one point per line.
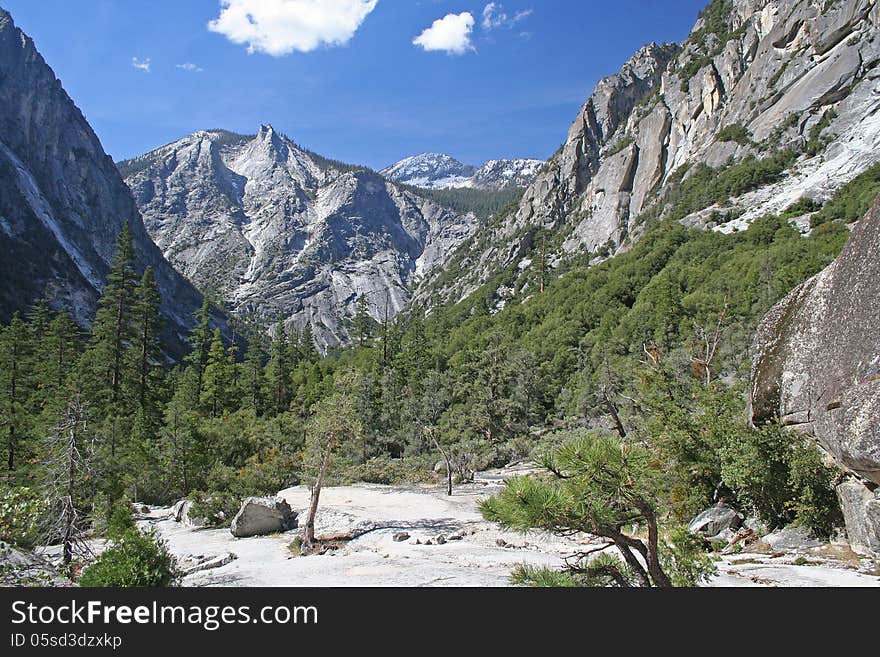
716 523
817 358
261 516
861 510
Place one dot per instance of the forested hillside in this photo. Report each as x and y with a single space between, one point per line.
651 345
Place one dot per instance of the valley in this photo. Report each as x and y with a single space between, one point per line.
647 361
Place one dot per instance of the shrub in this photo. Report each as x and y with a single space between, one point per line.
781 479
685 558
735 133
816 141
121 521
814 502
384 470
851 201
134 559
216 508
21 513
801 207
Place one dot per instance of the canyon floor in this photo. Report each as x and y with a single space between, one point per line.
448 544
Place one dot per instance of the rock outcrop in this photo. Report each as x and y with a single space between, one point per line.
817 369
62 201
261 516
753 77
280 233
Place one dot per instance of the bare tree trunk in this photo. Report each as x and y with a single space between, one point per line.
308 544
654 568
615 414
634 564
68 509
447 461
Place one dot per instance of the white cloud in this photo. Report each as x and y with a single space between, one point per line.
451 34
141 64
494 16
280 27
189 67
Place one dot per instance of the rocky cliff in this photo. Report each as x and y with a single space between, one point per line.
817 369
792 80
280 233
62 201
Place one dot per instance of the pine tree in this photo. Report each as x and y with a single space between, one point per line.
147 344
362 324
39 318
307 349
14 355
254 380
200 340
278 372
601 486
218 378
112 330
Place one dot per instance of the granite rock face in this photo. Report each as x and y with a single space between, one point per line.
280 233
861 511
816 364
62 201
770 69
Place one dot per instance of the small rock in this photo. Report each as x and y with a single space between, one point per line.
501 543
401 537
440 540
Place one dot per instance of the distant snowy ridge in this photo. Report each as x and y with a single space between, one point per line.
440 171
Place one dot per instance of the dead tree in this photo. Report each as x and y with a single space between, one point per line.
708 341
431 433
69 453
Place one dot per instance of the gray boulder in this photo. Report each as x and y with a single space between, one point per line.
262 516
716 523
817 362
861 510
792 538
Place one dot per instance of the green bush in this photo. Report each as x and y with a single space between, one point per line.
851 201
816 141
735 132
216 508
134 559
781 479
121 521
814 501
800 208
21 513
685 557
384 470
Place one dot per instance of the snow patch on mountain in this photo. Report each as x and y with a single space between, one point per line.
440 171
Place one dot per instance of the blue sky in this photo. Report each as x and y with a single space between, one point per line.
349 83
